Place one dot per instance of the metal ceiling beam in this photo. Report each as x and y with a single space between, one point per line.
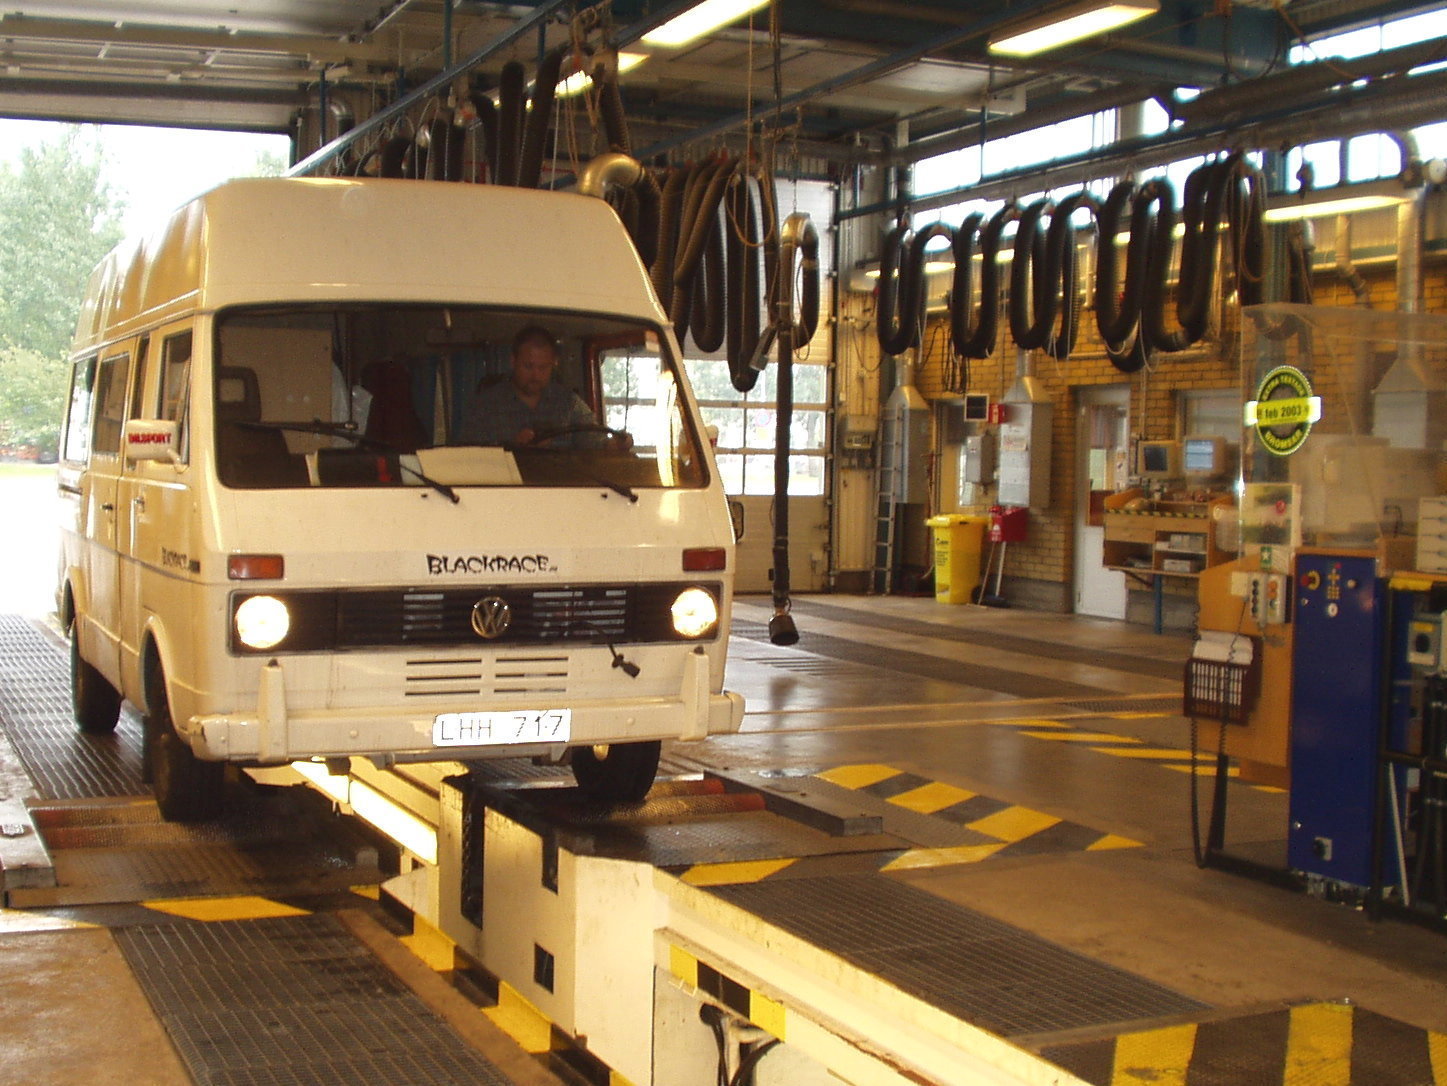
325 49
535 18
881 66
1404 103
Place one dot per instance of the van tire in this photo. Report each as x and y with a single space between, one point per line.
616 772
186 788
95 703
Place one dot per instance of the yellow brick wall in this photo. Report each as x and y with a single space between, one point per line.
1047 556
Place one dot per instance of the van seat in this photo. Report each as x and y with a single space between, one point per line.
247 456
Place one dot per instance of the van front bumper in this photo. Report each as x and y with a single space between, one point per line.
272 734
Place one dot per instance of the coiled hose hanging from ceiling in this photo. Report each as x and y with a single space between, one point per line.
1223 188
512 103
486 111
798 239
538 120
1044 276
972 331
698 219
754 263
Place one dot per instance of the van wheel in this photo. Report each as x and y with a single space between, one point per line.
187 789
95 703
616 772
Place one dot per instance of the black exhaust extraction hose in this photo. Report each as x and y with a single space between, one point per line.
535 129
512 102
796 236
707 321
615 120
693 239
741 263
1032 280
974 337
487 120
1060 241
660 268
394 157
752 243
892 319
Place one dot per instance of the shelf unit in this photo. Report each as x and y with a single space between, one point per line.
1162 538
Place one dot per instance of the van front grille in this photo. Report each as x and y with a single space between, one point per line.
541 615
521 673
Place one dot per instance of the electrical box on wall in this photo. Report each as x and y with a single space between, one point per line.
977 459
1025 454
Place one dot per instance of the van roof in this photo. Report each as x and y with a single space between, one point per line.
266 240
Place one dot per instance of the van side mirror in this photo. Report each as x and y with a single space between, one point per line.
151 439
736 515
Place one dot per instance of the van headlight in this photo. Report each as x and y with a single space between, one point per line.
262 622
694 612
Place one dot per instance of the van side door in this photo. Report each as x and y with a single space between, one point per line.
156 523
100 493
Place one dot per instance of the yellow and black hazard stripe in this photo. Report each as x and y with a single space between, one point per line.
768 1014
1303 1045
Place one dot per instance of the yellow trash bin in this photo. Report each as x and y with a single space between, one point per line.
959 539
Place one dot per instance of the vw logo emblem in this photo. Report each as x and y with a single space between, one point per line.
491 617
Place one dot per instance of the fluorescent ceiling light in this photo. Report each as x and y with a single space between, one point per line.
1070 23
701 19
578 82
1341 200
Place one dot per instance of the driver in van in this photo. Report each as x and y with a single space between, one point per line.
529 407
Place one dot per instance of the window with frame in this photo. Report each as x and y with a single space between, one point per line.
175 388
77 415
110 399
746 425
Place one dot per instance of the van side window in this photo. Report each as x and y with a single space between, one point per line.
143 369
175 388
77 416
110 399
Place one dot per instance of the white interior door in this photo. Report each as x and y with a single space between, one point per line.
1101 447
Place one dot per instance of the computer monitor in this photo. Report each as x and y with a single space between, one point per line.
1158 459
1205 457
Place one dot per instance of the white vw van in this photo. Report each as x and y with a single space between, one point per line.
283 542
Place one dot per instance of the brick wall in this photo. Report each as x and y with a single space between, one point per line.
1041 570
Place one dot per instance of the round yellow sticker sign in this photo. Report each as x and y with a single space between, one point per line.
1283 410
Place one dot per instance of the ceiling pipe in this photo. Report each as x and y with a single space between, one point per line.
1366 110
441 80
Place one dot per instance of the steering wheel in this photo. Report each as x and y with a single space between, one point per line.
580 428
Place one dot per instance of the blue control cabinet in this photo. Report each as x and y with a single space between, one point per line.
1338 656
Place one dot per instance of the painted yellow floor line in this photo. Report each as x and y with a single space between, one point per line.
1207 768
858 776
1161 753
1154 1057
1319 1045
1111 841
726 874
1082 737
932 797
1013 823
942 857
213 909
1437 1053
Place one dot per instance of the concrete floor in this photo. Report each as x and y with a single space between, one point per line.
1076 719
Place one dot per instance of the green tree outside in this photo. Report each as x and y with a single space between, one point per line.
58 217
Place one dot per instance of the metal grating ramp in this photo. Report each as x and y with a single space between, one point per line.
63 761
969 965
295 1000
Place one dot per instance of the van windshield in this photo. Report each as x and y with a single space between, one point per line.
384 394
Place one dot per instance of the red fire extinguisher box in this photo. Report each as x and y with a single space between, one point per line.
1007 523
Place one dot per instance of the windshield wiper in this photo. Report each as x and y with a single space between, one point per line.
591 476
348 431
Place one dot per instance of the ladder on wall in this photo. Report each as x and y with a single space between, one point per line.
888 478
